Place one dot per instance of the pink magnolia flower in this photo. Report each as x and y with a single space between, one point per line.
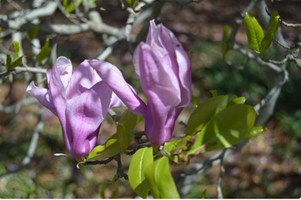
164 70
80 100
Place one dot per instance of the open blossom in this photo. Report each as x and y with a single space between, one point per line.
80 100
164 70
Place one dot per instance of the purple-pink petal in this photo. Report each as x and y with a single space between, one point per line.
164 70
80 100
114 79
42 95
64 68
184 74
83 78
85 114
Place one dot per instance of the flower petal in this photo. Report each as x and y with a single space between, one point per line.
58 94
184 76
114 79
85 115
83 78
42 95
64 68
161 87
158 82
116 102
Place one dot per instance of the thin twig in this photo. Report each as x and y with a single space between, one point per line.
271 93
289 25
110 49
256 58
286 47
120 172
18 70
99 162
222 170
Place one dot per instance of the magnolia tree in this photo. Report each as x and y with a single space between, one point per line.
82 98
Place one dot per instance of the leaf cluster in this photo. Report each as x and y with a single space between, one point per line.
218 123
256 38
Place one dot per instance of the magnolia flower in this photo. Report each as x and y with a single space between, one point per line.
164 70
80 100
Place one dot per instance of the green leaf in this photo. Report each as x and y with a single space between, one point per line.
141 159
256 130
159 179
110 148
227 128
133 3
189 54
171 146
273 27
16 48
204 194
103 190
16 63
113 180
213 92
31 33
203 113
254 31
70 7
125 127
193 101
8 62
225 42
274 22
44 52
237 100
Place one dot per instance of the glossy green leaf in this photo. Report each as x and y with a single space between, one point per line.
133 3
141 159
193 101
227 128
44 52
237 100
125 127
159 179
274 22
254 31
110 148
16 48
256 130
31 33
225 42
273 27
203 113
